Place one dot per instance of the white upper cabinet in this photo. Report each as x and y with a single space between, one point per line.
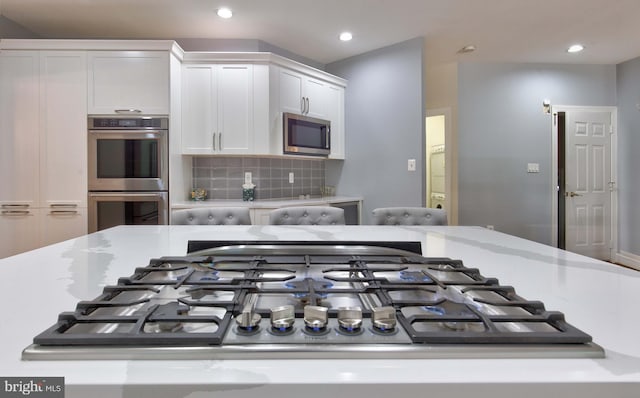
302 94
221 107
19 126
129 82
335 113
63 131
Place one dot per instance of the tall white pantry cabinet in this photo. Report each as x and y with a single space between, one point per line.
43 110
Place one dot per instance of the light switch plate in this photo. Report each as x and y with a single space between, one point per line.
411 165
533 167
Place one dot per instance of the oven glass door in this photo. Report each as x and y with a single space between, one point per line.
128 160
108 210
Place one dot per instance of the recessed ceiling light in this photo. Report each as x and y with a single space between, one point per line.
346 36
225 13
576 48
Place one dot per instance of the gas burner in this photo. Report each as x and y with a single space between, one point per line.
351 298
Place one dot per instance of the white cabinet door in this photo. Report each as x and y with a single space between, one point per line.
302 94
129 82
19 231
291 92
316 93
59 224
63 132
19 126
199 109
235 109
217 109
335 113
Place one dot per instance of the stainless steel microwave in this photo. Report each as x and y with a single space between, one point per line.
304 135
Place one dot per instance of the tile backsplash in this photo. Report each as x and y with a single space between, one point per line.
223 177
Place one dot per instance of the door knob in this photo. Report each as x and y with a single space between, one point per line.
572 194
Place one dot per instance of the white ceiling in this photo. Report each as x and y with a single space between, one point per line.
502 30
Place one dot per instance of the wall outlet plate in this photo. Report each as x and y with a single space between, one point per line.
247 177
291 179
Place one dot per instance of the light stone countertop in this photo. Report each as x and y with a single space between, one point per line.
597 297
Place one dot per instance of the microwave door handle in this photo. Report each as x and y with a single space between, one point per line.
327 144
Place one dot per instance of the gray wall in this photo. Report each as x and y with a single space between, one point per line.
384 127
628 160
502 128
12 30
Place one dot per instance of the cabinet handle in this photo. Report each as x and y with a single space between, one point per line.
63 212
307 100
214 140
15 212
302 105
63 205
128 111
15 206
220 141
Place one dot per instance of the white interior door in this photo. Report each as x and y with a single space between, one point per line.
589 183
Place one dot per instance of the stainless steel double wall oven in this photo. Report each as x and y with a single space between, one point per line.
128 171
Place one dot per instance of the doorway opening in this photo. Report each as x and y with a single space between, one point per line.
437 163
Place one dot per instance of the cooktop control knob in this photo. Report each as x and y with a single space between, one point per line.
248 320
350 318
283 317
316 317
384 318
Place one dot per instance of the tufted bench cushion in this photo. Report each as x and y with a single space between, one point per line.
307 215
212 216
409 216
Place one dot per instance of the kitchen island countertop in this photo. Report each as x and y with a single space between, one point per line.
596 297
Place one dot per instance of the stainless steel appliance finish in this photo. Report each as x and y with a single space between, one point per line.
304 135
128 153
128 171
333 300
109 209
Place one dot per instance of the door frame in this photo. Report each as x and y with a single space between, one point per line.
555 188
449 143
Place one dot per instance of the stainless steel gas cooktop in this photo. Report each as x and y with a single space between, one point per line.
308 300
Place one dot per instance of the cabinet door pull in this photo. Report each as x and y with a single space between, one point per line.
128 111
214 140
15 212
15 206
307 100
63 205
63 212
220 140
302 105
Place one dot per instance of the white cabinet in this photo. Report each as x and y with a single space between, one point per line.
303 95
43 153
19 126
314 97
63 131
223 109
335 113
19 230
128 82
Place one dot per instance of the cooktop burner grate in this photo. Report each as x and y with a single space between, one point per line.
192 301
